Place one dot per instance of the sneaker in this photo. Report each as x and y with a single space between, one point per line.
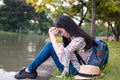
22 74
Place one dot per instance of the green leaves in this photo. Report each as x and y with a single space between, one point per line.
108 10
15 14
31 1
112 6
39 5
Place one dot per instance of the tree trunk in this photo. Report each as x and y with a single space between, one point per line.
83 17
117 38
115 31
118 32
108 32
93 10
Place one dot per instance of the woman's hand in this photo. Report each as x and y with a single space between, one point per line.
53 31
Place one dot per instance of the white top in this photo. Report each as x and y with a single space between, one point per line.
66 54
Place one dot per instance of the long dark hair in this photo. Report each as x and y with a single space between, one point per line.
73 29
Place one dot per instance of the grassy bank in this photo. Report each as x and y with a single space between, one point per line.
112 70
8 33
14 33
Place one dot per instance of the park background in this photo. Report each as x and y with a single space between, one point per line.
24 28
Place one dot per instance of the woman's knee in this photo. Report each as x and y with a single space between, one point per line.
49 44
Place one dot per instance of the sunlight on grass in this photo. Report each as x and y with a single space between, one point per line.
59 39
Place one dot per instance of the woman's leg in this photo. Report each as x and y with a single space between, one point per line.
44 54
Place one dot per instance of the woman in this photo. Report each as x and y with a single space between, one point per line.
74 39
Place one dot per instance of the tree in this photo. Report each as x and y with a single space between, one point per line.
45 22
73 8
109 13
15 14
105 10
76 9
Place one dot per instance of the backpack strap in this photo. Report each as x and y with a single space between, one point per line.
80 60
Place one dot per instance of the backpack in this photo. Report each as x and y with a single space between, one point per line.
100 54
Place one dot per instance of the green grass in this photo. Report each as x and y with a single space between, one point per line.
8 33
14 33
59 39
112 70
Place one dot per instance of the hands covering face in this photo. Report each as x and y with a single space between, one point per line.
53 31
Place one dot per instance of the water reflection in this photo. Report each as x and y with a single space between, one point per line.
31 47
17 51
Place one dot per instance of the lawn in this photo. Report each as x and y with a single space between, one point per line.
112 70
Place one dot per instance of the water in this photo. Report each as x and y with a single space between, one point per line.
16 52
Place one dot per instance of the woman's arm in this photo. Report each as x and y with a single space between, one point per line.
53 31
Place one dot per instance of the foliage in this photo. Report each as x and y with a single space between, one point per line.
42 23
111 9
15 14
39 5
56 8
101 29
108 11
45 21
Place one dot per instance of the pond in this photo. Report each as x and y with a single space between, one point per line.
16 52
